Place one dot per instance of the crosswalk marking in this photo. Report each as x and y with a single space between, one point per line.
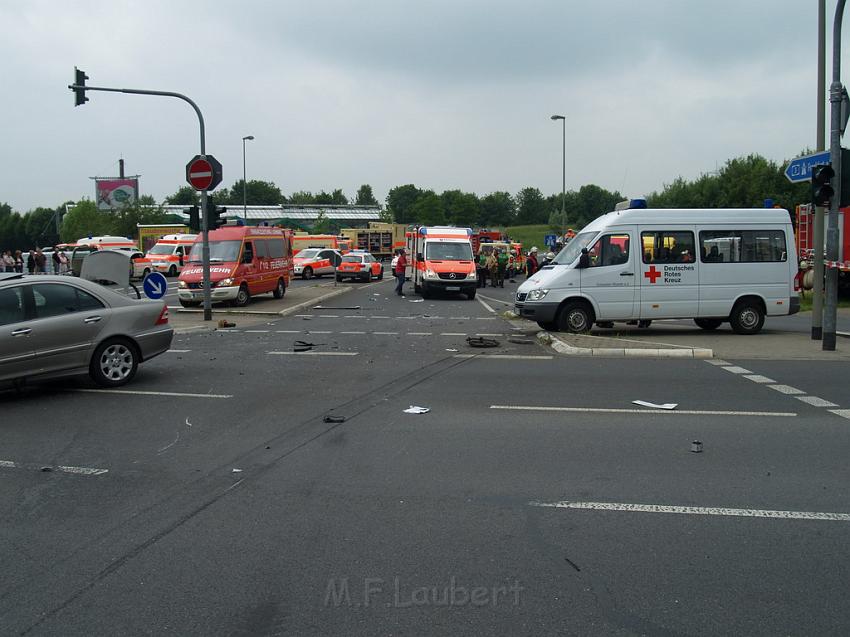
787 389
814 401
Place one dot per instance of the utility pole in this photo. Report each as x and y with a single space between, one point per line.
836 94
817 258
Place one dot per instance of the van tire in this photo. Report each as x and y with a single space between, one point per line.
575 317
470 293
190 303
280 289
644 323
417 289
426 291
243 296
307 273
338 278
114 362
381 274
747 317
707 323
172 271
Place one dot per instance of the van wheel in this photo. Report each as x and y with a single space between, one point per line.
417 289
644 323
708 324
381 274
146 272
190 303
338 278
426 292
172 271
114 363
307 273
280 290
470 293
747 317
243 297
575 317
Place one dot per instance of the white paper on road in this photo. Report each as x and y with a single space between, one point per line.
417 301
643 403
417 410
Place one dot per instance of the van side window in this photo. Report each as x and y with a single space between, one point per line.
668 246
743 246
275 248
261 247
610 249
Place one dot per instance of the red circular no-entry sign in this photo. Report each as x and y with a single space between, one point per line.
199 173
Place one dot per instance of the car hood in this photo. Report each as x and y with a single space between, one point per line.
218 271
542 278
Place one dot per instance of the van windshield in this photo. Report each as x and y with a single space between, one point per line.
220 252
573 249
448 251
161 248
307 254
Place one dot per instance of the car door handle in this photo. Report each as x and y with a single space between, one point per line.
92 319
627 273
22 331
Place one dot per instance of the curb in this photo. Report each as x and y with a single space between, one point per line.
550 340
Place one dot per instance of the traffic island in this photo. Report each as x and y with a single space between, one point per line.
586 345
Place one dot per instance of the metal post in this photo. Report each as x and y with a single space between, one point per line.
121 168
817 242
245 181
563 175
205 250
835 96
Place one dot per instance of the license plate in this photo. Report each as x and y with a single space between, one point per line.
453 288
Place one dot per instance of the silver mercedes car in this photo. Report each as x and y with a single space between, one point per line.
54 326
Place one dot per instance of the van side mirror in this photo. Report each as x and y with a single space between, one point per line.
419 256
584 259
248 257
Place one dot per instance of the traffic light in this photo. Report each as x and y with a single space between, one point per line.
215 215
822 191
80 78
194 218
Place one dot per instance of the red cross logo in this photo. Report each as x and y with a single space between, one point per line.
652 274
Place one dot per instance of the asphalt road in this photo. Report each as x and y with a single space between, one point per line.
533 498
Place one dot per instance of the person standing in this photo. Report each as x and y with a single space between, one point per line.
502 267
400 272
531 265
19 262
31 262
8 261
492 267
57 261
40 261
482 264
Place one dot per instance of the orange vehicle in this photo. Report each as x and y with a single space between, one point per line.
244 261
169 254
360 265
441 259
311 262
303 241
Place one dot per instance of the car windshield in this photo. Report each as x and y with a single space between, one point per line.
573 249
448 251
307 254
352 258
161 248
220 252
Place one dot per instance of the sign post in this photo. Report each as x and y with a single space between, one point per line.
800 169
155 285
204 172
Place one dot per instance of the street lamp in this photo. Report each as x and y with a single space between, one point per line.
564 175
244 180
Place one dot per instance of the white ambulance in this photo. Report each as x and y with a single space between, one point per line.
638 265
170 253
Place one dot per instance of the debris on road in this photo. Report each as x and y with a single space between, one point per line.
237 471
450 349
224 323
341 307
643 403
416 301
520 341
696 447
335 419
481 341
304 346
417 410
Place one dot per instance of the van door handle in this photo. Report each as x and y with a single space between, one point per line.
92 319
22 331
627 273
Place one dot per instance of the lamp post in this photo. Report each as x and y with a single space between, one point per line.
244 180
563 175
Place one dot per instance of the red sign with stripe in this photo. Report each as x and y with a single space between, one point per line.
199 174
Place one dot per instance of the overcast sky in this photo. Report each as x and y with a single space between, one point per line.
441 93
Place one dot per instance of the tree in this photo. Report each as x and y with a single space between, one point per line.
186 196
84 220
323 197
531 207
365 196
462 209
12 234
338 198
40 227
497 209
258 193
323 225
399 201
124 222
428 210
302 197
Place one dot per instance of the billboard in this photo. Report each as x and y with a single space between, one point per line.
111 194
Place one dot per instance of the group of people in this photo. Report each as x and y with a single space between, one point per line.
493 264
533 263
35 262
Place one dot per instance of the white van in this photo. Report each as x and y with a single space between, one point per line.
711 265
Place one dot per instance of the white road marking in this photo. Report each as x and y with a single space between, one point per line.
136 392
458 318
737 370
485 318
757 378
717 361
380 317
516 357
288 331
491 335
228 331
844 413
453 334
601 410
689 510
303 315
352 332
355 316
486 307
178 351
314 353
83 471
814 401
386 333
787 389
328 315
320 332
256 331
420 333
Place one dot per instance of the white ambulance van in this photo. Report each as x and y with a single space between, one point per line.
637 264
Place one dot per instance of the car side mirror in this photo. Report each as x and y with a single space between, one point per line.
584 259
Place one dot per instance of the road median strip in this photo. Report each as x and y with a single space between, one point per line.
647 349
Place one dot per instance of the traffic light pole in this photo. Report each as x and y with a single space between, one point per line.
817 256
205 251
835 97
